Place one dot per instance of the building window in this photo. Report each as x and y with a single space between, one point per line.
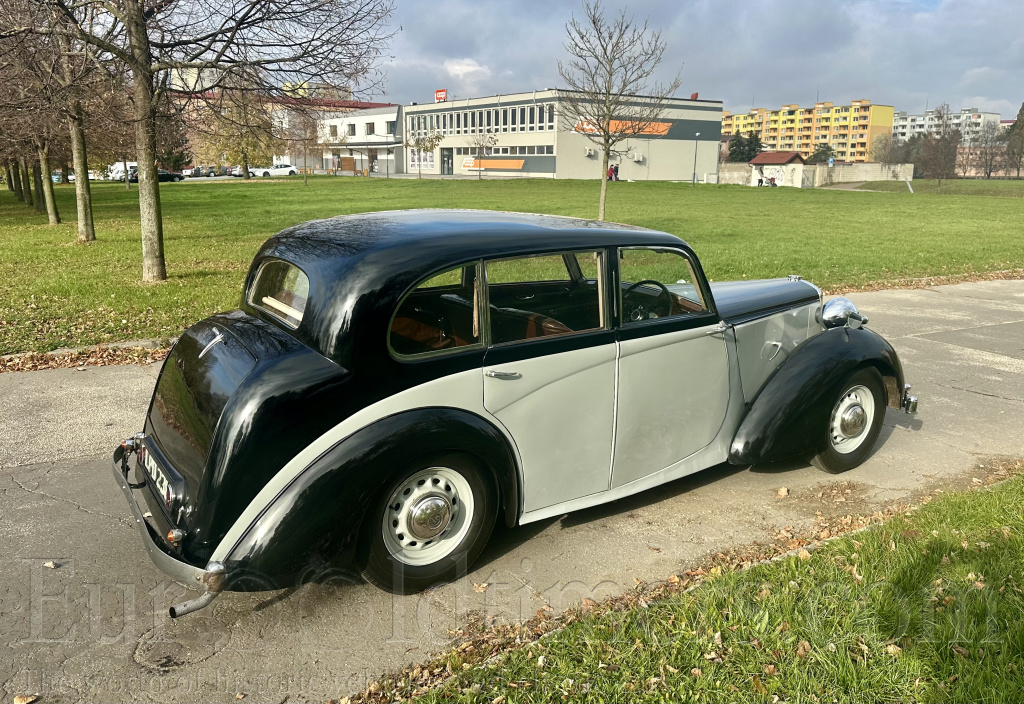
334 130
369 127
391 127
351 129
514 122
504 120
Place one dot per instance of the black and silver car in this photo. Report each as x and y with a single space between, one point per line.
393 383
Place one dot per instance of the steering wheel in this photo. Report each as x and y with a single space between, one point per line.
640 311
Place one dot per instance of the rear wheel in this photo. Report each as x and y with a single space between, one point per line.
428 526
266 174
291 173
854 422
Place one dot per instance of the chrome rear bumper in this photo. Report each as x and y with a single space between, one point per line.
212 578
909 403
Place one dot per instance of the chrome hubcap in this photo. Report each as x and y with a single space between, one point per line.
427 516
851 419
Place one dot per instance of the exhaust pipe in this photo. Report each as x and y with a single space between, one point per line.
187 607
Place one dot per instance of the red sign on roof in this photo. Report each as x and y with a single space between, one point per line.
441 95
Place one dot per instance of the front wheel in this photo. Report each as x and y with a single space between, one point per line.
854 422
291 173
428 526
266 174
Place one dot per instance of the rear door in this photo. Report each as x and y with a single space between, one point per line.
549 373
673 369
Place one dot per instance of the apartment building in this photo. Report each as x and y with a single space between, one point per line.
848 129
533 137
361 140
970 122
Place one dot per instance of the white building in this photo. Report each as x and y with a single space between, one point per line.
364 140
969 121
533 138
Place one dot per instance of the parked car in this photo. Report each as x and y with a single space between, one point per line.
279 170
240 171
188 171
394 383
162 175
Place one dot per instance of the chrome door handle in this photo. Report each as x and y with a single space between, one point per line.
720 329
502 375
778 348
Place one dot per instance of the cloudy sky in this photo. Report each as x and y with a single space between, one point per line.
906 53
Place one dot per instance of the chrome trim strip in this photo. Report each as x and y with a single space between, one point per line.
211 343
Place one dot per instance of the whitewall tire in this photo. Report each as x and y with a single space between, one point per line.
854 422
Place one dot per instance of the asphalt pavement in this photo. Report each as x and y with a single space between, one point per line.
93 626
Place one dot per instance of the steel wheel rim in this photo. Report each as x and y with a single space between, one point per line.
852 419
411 516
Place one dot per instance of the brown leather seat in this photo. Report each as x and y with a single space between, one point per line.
513 324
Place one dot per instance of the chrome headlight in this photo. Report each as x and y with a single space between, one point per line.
841 311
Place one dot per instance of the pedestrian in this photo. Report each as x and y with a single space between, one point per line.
616 169
760 177
611 173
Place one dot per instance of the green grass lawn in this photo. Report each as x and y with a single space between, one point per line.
959 187
926 607
57 294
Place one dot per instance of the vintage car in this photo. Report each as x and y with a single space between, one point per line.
393 383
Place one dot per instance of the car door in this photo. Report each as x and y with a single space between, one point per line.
551 381
673 367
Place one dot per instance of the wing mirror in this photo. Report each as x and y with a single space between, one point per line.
841 312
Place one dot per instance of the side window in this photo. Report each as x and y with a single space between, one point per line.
442 313
544 296
281 289
656 283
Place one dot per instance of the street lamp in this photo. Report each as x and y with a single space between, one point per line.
695 158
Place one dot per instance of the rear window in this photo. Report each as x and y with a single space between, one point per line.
280 289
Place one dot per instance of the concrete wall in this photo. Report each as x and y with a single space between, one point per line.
813 175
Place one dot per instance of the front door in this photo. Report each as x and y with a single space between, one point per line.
673 388
549 375
447 161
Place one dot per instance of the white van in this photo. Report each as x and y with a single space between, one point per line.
115 172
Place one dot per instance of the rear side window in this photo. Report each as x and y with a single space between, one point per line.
281 289
440 314
541 296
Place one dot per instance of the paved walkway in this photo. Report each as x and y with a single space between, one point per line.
68 638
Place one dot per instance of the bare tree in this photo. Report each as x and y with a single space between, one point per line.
939 151
280 42
302 134
610 94
482 143
423 143
990 152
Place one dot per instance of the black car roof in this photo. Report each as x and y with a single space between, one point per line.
359 266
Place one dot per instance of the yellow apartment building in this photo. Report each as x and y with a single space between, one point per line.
849 129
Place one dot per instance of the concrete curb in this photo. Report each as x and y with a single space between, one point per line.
152 344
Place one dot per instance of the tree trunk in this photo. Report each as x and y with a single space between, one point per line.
604 184
37 179
64 173
9 175
151 220
43 150
16 180
305 164
26 182
245 165
127 181
83 190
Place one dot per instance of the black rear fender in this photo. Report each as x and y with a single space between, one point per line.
789 416
321 511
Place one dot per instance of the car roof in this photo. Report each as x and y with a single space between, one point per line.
359 266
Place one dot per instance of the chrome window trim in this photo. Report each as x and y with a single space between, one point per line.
602 309
478 345
698 285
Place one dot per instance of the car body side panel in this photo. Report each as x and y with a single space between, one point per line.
673 394
765 343
790 414
560 408
461 390
324 505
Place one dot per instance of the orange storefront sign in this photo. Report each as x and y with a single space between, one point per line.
659 129
507 164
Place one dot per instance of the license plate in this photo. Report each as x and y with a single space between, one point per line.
156 474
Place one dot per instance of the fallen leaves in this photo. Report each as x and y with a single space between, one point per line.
26 698
82 359
783 492
803 649
481 587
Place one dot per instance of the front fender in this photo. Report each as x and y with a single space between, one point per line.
322 510
789 416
